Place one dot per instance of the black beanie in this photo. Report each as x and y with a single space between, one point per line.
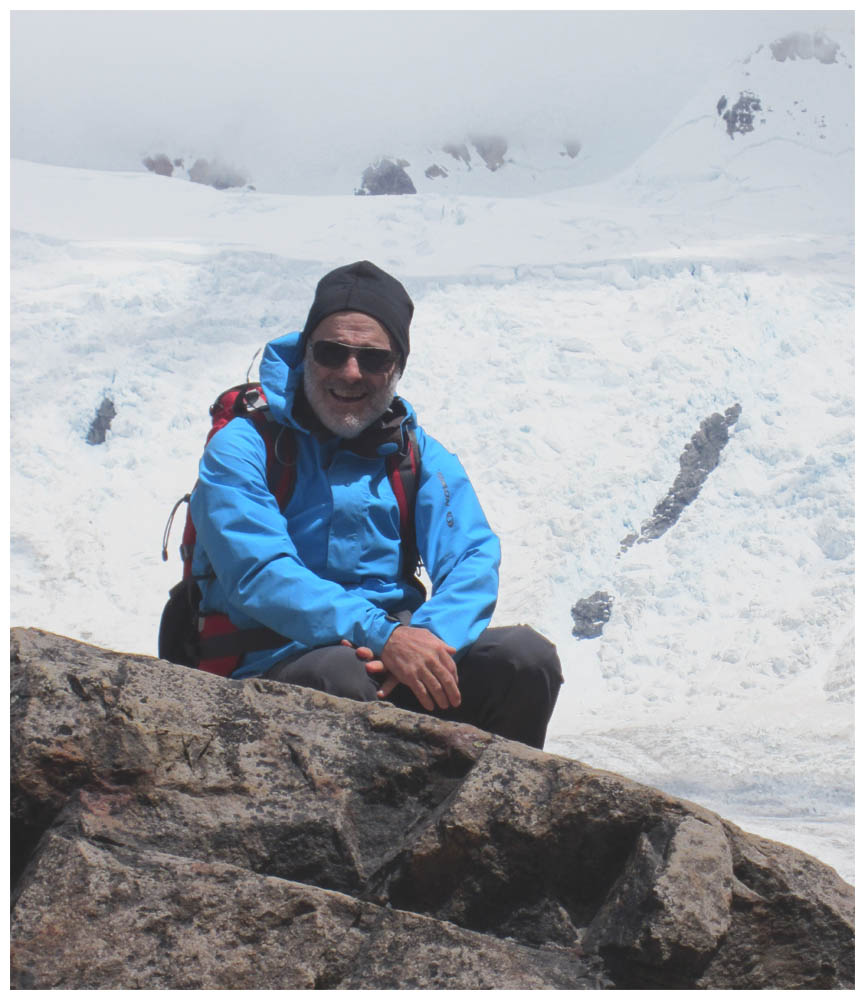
363 287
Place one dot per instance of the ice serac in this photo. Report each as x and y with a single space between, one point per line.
175 830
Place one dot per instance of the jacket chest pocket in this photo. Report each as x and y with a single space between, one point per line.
364 529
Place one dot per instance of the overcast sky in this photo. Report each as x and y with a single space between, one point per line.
270 91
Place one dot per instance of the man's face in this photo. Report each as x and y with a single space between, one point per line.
347 399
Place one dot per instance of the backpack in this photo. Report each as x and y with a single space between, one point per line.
212 642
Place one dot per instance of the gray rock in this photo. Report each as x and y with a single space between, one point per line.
492 149
386 177
159 164
701 455
145 919
175 830
459 151
216 175
740 116
591 614
101 423
801 45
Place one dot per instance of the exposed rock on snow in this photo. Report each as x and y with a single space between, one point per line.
101 423
159 164
174 830
572 149
216 175
701 455
591 614
801 45
211 172
459 151
492 149
740 117
386 177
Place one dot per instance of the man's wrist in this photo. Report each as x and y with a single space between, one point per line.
377 637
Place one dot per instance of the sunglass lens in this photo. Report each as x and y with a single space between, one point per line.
372 360
331 354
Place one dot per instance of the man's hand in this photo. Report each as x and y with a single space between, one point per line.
420 660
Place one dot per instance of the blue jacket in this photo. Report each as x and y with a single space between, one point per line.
327 567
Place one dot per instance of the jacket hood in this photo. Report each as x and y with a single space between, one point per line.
281 373
281 376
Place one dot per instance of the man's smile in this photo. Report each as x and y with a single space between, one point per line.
348 397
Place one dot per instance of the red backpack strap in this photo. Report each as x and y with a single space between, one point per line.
403 471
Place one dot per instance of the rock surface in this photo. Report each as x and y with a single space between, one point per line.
101 423
386 177
591 614
174 830
701 455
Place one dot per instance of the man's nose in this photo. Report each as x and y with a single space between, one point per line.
351 368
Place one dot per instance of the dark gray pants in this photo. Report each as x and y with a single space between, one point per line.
509 681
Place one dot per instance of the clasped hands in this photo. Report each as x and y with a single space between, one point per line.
420 660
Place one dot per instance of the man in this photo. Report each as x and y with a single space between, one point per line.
328 570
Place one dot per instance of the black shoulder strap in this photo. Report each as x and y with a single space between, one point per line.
403 471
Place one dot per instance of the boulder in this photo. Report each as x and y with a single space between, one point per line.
591 614
176 830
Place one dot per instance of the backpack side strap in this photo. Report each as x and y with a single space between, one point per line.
403 469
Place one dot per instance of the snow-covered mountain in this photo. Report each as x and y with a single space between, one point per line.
567 346
796 90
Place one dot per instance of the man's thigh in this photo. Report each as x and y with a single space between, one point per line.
334 669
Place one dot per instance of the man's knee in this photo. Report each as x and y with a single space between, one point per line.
527 652
511 678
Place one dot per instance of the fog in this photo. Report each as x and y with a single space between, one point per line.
283 94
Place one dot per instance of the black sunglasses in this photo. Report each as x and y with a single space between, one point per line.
332 354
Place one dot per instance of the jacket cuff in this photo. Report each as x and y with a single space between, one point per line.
379 632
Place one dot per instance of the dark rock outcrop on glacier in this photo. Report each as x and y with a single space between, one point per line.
591 614
101 423
386 177
175 830
701 455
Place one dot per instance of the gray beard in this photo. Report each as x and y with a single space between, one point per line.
349 425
